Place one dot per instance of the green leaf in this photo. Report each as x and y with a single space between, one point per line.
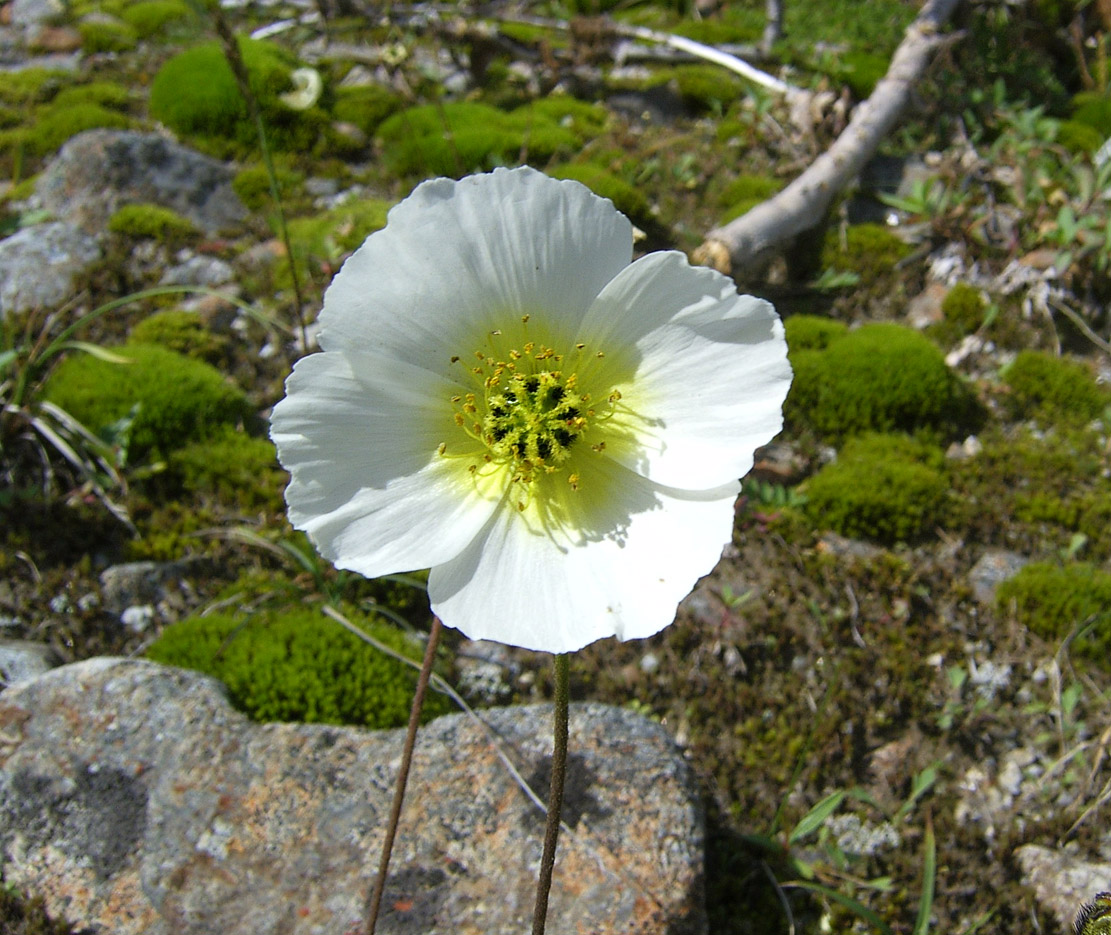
855 907
929 878
816 817
95 350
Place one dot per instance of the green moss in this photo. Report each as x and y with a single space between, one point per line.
1030 493
962 313
298 665
103 93
320 243
628 200
252 185
861 71
178 399
153 222
235 468
1093 110
745 192
457 138
882 377
182 332
1079 137
106 36
1053 600
585 120
704 88
887 488
1052 389
812 332
157 17
870 250
366 106
56 124
195 93
31 85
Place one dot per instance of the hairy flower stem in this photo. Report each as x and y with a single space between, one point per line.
555 795
374 901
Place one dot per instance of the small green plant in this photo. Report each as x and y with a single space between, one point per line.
1059 601
252 185
628 200
233 467
745 192
882 377
963 311
885 488
871 251
55 124
812 332
153 222
100 35
41 443
296 665
157 17
1052 389
366 106
176 399
196 93
180 331
459 137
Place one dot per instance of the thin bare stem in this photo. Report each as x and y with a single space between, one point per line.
242 78
555 796
374 902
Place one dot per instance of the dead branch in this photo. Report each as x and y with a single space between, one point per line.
745 244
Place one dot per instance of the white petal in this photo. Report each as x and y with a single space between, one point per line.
710 371
613 559
359 435
457 260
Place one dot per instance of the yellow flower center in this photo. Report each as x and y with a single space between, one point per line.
528 411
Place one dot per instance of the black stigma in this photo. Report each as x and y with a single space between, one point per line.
571 413
563 437
498 412
532 384
555 394
499 432
544 449
510 396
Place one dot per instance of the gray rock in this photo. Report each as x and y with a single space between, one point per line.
140 583
136 800
993 568
98 171
41 266
29 12
199 271
1062 882
24 659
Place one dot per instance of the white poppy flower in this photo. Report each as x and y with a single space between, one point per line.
504 398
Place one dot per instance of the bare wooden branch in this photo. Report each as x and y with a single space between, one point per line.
773 28
743 245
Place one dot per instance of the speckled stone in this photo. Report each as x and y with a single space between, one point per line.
42 266
134 799
1062 882
98 171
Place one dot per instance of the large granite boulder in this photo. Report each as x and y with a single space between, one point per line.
134 799
99 171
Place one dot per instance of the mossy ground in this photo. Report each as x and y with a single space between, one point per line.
804 664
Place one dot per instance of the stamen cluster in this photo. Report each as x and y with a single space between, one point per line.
530 412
